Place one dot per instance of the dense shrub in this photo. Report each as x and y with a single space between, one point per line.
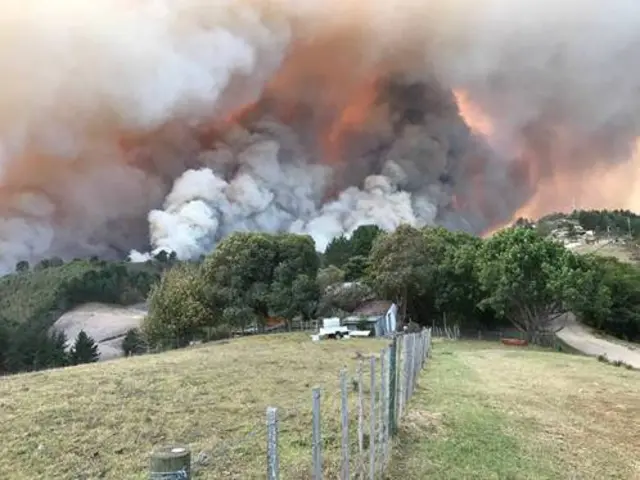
134 343
84 350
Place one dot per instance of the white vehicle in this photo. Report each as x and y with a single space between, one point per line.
331 328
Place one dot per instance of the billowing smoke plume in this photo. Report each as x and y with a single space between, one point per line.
303 116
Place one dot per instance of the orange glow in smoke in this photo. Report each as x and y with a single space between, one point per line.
606 185
475 118
353 114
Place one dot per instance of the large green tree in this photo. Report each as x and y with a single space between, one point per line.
178 308
363 238
338 251
32 348
328 276
351 254
251 276
400 268
526 278
430 272
455 287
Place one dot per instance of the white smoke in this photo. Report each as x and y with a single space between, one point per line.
78 77
267 194
105 104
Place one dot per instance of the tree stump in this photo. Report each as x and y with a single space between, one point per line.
171 463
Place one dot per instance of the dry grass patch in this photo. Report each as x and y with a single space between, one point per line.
624 253
521 413
102 420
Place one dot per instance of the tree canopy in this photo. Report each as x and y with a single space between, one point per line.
516 277
247 279
252 276
84 350
524 277
352 254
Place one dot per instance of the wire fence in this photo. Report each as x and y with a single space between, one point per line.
346 429
542 339
450 333
366 431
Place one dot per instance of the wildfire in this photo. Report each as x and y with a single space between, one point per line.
475 118
353 114
545 169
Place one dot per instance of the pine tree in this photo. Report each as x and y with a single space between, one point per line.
5 341
84 350
33 349
134 343
54 350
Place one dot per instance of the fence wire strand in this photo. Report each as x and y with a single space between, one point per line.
370 429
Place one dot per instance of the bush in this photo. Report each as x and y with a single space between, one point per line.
177 309
31 349
84 349
134 343
213 334
331 275
348 296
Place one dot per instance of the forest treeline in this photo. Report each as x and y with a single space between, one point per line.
516 277
33 298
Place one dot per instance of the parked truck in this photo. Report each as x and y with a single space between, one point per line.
331 328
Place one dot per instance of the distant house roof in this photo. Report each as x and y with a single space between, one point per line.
356 320
275 322
373 307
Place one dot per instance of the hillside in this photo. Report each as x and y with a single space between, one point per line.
624 252
32 300
106 324
606 233
102 420
43 293
481 411
485 411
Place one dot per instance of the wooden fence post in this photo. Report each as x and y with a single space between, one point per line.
361 457
393 382
170 463
372 421
384 408
406 347
273 464
410 352
316 436
345 425
401 371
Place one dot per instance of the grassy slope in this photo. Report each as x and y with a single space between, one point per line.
624 253
23 295
101 421
481 411
489 412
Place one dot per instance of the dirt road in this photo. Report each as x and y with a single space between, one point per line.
579 337
106 324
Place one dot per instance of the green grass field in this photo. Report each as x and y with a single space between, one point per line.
484 411
481 411
102 420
